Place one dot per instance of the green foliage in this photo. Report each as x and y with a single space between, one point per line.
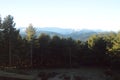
9 39
30 32
53 52
44 40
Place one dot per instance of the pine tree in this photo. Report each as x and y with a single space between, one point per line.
30 32
10 35
30 36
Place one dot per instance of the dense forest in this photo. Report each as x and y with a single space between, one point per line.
101 50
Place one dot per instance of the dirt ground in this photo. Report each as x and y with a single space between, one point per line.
83 73
72 74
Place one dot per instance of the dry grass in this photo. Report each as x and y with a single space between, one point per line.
10 78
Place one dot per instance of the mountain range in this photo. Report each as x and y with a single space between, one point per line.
82 35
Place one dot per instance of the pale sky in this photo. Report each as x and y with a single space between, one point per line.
74 14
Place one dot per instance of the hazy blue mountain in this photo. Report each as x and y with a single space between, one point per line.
56 30
77 35
81 35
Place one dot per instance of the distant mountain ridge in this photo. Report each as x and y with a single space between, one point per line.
56 30
82 35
